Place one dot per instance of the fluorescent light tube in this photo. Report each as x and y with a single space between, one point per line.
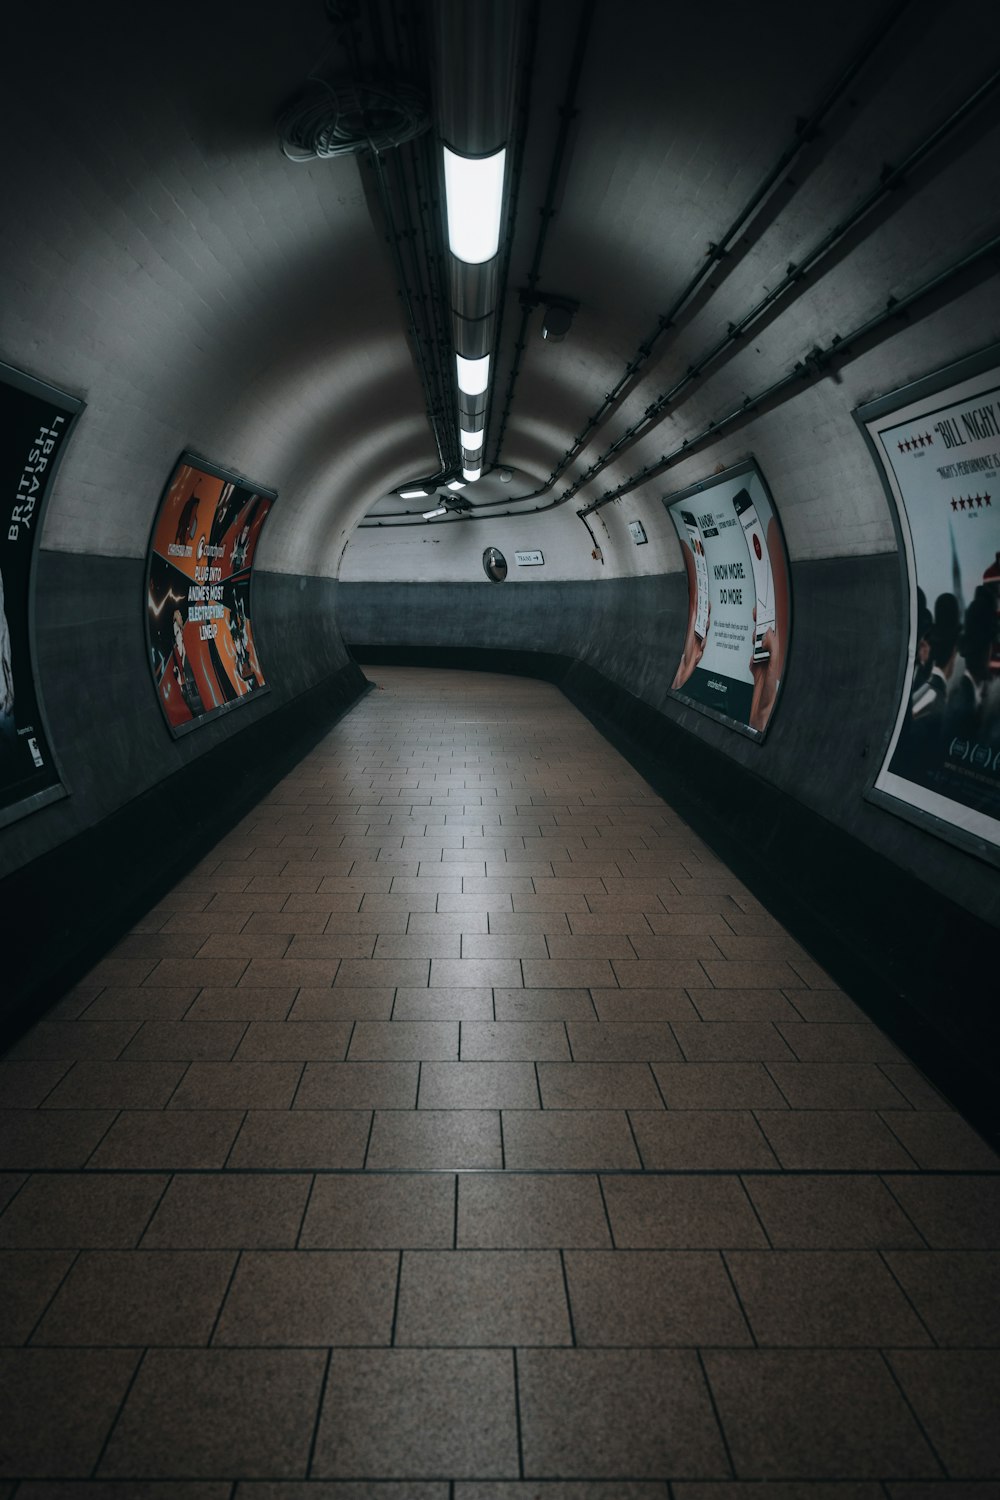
456 484
473 375
472 474
429 515
473 440
413 494
473 189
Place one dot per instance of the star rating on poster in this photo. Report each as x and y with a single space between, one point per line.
971 502
920 440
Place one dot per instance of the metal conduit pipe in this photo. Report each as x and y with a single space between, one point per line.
813 366
890 179
805 131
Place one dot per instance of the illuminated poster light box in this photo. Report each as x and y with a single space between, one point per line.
735 649
199 615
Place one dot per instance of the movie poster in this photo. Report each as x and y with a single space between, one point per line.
35 424
198 610
739 602
938 446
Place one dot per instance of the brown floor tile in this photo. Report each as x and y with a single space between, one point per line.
327 946
499 945
832 1140
35 1139
428 1139
652 1297
471 973
242 1004
403 1040
827 1212
58 1406
167 1140
814 1414
310 1297
482 1298
339 1005
177 971
937 1141
661 974
700 1140
396 1211
244 945
779 1489
680 1213
836 1086
443 1005
622 1042
298 1041
185 1040
80 1212
956 1396
913 1086
414 1413
568 973
432 922
717 1085
729 1041
139 1297
568 1140
524 1212
115 1004
598 1086
306 1139
215 1212
264 972
513 1041
956 1293
225 1412
527 921
543 1005
641 1412
126 1084
743 1005
640 1006
824 1005
816 1041
358 1085
419 945
66 1041
478 1085
952 1213
29 1279
237 1085
824 1299
24 1084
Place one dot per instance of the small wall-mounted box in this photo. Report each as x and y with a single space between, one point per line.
529 559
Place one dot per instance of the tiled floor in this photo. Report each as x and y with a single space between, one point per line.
462 1122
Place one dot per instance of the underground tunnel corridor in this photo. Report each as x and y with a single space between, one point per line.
500 750
461 1119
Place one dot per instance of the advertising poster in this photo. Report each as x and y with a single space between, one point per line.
938 446
739 609
35 424
198 608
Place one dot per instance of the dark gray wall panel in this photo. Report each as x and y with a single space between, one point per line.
833 719
106 724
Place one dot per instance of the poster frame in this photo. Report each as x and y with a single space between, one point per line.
228 476
749 465
957 373
31 385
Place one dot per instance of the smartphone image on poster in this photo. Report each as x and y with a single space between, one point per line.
700 573
753 535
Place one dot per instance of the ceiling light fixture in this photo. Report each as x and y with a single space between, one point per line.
429 515
472 441
472 474
474 198
473 374
413 494
456 484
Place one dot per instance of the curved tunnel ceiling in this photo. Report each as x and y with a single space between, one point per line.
164 260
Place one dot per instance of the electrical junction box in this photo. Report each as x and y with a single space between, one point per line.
637 532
